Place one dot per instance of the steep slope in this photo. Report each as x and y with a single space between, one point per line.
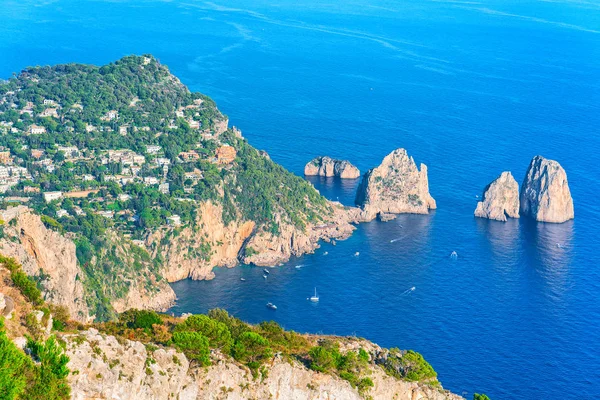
500 199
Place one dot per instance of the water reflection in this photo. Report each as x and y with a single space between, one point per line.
342 190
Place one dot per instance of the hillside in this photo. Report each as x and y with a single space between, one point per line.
145 355
148 182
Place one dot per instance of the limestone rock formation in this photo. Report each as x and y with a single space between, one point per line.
328 167
545 193
45 253
396 186
500 199
108 368
111 369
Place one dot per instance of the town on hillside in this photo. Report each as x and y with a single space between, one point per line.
67 154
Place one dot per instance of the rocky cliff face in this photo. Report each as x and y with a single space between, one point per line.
500 199
545 194
194 251
103 367
47 255
328 167
106 368
396 186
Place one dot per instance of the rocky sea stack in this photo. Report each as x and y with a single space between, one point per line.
329 167
396 186
545 193
500 199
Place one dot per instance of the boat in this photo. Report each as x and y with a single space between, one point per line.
357 254
325 253
264 276
271 306
314 298
243 279
266 271
454 255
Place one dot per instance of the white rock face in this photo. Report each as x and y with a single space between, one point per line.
396 186
39 249
328 167
500 199
103 367
545 193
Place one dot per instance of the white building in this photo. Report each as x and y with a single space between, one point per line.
174 220
36 130
51 196
153 149
62 213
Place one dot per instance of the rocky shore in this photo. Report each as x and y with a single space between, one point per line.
500 199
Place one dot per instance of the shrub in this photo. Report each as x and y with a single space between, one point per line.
50 382
27 287
144 319
252 349
323 359
194 345
13 364
478 396
217 332
416 368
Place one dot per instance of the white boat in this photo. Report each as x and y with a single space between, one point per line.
271 306
454 255
264 276
314 298
266 271
242 279
356 254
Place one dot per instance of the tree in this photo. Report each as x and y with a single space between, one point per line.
217 332
252 349
194 345
478 396
13 364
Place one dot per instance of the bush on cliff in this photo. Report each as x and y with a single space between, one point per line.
25 284
478 396
194 345
140 319
21 378
217 332
13 364
252 349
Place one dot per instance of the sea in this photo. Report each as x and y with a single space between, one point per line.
469 87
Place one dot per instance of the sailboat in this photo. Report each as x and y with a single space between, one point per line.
314 298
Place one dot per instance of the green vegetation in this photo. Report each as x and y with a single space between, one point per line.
22 378
91 113
410 366
25 284
194 345
478 396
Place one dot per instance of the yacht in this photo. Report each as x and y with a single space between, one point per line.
271 306
242 279
314 298
264 276
266 271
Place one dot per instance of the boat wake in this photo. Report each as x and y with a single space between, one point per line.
408 291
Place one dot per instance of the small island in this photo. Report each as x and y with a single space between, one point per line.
329 167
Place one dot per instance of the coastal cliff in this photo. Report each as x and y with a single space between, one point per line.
328 167
109 367
46 255
545 194
396 186
500 199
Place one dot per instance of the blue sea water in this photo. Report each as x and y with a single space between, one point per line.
471 88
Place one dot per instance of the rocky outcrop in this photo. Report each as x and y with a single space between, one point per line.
196 250
396 186
328 167
500 199
290 241
45 254
104 367
545 194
